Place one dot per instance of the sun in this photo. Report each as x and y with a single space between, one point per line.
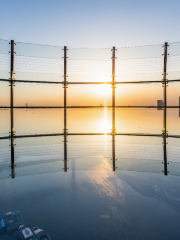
104 90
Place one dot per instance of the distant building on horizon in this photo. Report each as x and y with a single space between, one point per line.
160 104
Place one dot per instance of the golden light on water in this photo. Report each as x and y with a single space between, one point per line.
105 124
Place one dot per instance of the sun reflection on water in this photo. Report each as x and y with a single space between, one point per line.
102 180
105 125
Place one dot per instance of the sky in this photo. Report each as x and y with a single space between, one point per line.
91 24
95 23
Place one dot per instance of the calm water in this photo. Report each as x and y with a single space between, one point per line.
90 201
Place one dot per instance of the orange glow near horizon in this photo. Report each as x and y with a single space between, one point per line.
88 95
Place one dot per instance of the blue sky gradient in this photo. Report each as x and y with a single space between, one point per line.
95 23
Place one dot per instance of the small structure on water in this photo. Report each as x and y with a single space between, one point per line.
160 104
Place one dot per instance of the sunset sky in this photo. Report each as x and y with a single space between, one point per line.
91 24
